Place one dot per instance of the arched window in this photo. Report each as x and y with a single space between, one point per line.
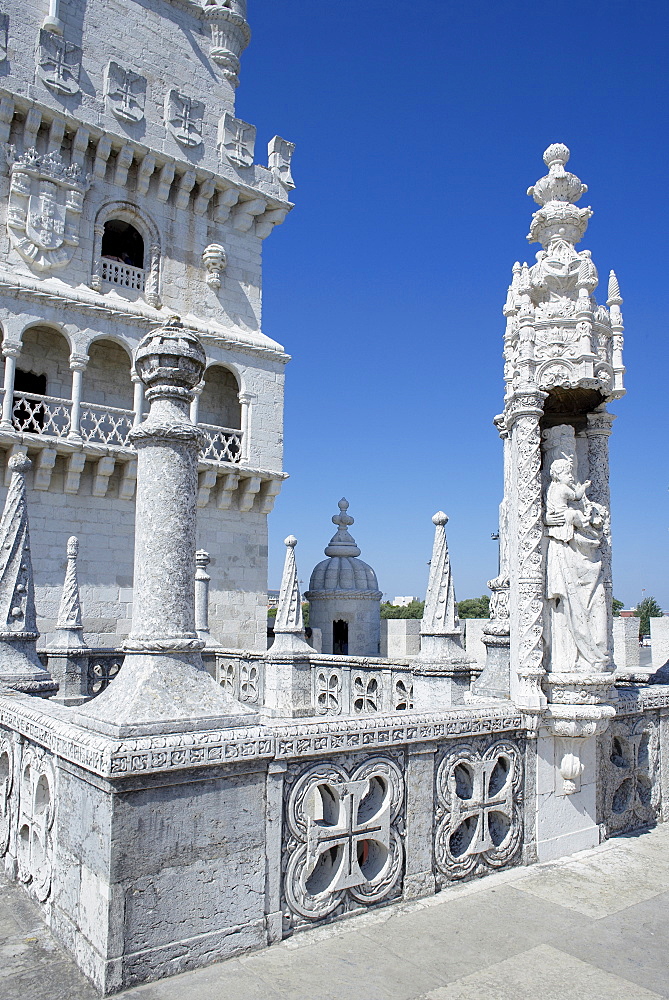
121 242
126 253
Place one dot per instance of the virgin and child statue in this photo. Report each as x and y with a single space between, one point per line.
574 574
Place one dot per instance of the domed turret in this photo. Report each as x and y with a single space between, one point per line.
344 595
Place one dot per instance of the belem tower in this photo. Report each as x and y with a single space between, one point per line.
172 791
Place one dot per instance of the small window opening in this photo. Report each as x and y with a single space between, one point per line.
340 638
122 242
29 417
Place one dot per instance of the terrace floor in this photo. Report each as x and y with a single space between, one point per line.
593 926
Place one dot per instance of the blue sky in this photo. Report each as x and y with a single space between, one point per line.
419 127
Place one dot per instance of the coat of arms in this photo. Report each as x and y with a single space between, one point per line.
183 118
45 203
236 140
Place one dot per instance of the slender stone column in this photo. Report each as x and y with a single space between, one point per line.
202 581
77 367
245 400
195 405
163 682
598 431
138 398
526 575
20 667
10 353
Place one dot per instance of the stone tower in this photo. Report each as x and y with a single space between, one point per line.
131 193
344 596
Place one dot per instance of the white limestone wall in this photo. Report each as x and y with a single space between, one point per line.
136 35
626 650
361 614
474 644
659 640
565 824
400 637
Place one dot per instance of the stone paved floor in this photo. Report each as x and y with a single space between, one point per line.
595 926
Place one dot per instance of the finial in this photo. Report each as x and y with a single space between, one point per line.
343 543
439 616
288 624
557 152
69 613
614 298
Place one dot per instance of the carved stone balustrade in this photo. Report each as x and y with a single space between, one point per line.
48 425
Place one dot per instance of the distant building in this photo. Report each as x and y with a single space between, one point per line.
404 602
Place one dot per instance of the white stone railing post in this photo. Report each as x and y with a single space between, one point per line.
78 364
164 682
10 353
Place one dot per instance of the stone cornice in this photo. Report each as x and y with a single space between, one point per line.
49 726
266 185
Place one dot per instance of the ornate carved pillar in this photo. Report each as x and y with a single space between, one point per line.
10 352
78 363
525 544
164 682
153 277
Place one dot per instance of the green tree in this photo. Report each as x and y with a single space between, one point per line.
474 607
271 612
413 610
617 607
644 611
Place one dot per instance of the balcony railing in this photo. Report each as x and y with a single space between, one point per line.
106 424
47 416
123 275
50 417
222 444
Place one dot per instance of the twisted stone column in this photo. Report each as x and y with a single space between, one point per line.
20 666
525 557
163 680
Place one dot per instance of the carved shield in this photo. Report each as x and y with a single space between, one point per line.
45 222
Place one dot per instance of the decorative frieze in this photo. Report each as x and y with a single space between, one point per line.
36 813
479 813
126 92
344 828
629 786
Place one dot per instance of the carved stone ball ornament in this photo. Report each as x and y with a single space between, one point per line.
170 360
